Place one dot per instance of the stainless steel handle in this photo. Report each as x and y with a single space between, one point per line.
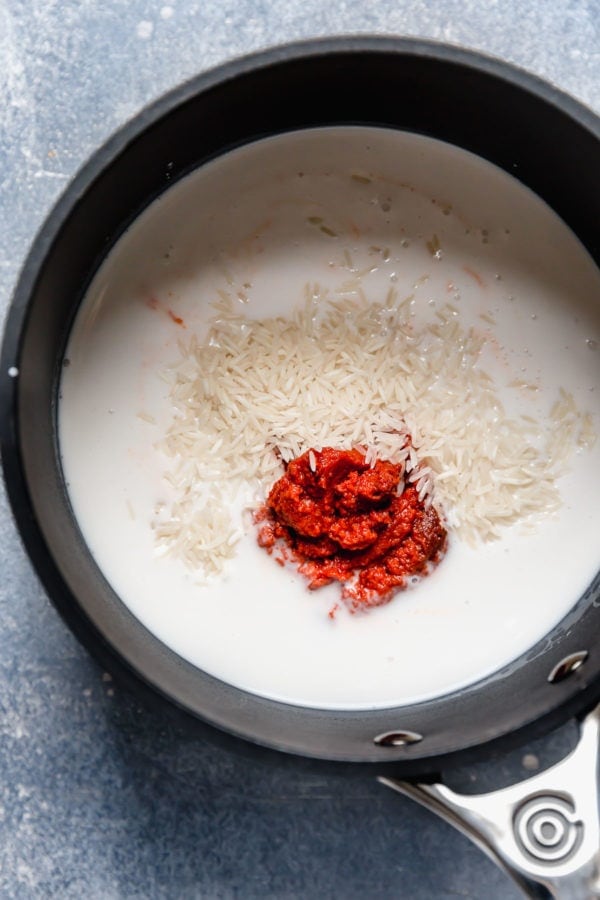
544 832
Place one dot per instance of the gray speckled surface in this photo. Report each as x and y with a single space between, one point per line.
100 796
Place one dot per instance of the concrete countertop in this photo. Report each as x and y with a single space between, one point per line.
102 796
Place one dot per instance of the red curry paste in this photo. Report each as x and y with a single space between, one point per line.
341 519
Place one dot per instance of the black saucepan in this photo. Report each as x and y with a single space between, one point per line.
540 136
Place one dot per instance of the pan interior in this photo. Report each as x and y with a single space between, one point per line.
355 211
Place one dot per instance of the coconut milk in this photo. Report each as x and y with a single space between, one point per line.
246 225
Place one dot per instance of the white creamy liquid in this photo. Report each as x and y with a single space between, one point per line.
240 225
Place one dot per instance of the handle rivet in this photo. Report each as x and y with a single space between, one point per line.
397 738
567 666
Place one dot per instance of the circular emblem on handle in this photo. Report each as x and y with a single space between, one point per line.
547 828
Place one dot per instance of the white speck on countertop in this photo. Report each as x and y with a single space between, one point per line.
25 875
167 12
23 792
144 29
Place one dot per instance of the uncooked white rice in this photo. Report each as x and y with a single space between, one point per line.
348 373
